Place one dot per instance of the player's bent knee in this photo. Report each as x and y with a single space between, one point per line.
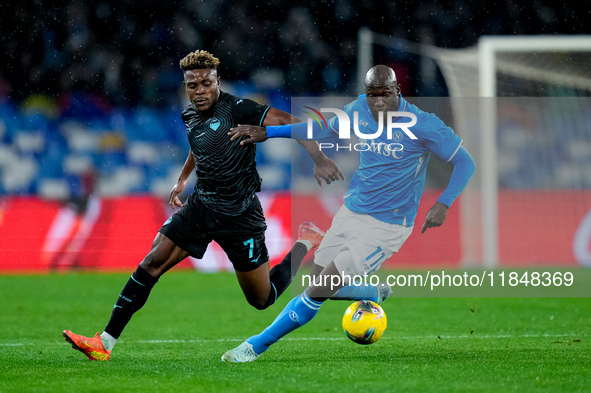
326 284
150 265
259 303
163 256
316 270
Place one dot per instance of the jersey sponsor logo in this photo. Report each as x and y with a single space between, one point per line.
215 124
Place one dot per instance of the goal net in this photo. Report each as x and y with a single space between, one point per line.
523 107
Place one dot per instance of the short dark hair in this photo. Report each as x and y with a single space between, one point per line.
198 60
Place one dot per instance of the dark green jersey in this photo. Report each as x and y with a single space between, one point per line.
227 177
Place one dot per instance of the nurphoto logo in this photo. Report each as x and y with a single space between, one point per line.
393 128
345 123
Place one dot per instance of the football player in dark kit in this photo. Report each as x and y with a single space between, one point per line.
224 206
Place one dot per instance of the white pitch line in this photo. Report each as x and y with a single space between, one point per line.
441 336
221 340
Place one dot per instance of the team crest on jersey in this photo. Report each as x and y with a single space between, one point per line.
215 124
397 136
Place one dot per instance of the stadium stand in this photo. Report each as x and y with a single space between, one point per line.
96 86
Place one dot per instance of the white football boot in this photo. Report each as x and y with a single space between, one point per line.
241 354
384 291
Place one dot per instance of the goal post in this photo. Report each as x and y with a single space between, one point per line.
364 54
496 68
488 49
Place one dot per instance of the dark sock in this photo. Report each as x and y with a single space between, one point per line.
132 298
282 274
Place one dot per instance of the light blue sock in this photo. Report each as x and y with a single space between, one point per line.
299 311
357 292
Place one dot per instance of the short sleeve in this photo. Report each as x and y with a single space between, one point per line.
247 111
187 114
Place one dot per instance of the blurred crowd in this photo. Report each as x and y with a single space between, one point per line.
127 52
106 72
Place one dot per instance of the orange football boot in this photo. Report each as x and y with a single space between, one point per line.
308 231
91 347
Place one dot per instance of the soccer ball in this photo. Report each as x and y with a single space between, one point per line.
364 322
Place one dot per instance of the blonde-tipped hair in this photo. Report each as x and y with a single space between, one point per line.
198 60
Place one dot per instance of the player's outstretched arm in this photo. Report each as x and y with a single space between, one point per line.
435 216
275 126
324 167
463 170
180 185
252 134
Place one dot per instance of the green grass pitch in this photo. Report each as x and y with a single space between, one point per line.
174 344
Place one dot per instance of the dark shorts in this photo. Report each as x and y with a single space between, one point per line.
242 237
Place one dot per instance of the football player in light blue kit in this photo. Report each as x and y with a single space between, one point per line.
380 206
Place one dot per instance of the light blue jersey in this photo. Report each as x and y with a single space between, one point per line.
391 176
387 185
